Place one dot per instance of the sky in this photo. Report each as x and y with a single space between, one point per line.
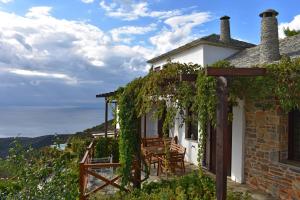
64 52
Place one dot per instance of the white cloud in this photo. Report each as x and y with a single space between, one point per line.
127 31
293 25
189 20
33 73
134 10
46 49
6 1
178 31
63 60
38 12
87 1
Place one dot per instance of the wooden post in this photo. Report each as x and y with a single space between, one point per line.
145 126
81 181
106 117
222 117
115 131
222 138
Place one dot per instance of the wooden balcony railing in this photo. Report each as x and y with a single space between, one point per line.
87 168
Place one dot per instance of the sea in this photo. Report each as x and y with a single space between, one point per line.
31 121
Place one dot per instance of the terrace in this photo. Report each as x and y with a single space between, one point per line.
99 176
163 155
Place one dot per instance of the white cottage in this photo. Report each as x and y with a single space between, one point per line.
204 51
264 144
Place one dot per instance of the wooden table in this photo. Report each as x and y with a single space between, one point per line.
155 150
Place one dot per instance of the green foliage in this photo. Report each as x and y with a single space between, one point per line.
188 187
5 172
40 174
280 87
78 145
106 147
164 87
285 79
238 196
206 102
288 32
141 95
129 125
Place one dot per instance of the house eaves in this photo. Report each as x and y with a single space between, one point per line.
212 40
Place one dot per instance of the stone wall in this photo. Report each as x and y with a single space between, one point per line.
266 147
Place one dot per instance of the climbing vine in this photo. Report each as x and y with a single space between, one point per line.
128 115
169 96
279 87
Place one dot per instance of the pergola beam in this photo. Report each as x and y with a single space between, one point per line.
255 71
213 71
188 77
108 94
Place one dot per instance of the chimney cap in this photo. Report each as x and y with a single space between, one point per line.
224 17
269 13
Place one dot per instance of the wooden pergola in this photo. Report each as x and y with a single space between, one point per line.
106 99
223 76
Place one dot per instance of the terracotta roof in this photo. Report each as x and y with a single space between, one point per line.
289 46
212 39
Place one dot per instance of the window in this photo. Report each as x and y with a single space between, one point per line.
294 135
191 125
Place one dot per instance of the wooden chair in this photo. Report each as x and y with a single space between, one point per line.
155 141
149 158
174 160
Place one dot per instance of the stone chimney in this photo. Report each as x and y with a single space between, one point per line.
225 29
269 47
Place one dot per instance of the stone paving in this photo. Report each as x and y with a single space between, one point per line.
255 194
111 173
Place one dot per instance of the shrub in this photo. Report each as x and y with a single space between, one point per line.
78 145
188 187
41 174
106 147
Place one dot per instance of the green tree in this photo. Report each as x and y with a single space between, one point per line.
290 32
40 174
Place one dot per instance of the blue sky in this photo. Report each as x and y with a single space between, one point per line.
59 53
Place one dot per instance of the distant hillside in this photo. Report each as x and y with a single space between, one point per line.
47 140
37 142
96 129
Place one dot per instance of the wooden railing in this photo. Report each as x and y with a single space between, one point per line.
87 169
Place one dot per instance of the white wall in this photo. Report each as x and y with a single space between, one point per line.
211 54
193 55
190 145
238 135
202 55
117 118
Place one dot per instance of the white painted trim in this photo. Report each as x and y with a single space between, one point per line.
238 146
